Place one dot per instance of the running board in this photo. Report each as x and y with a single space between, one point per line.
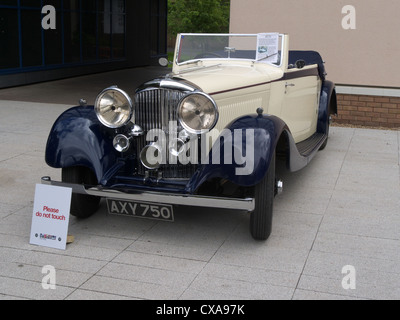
307 147
302 153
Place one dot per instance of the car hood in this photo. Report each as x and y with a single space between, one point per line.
221 78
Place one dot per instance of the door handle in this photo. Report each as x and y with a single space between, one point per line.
288 85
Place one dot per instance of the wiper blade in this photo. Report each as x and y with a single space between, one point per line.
198 68
271 55
189 62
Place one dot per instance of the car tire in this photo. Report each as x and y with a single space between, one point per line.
323 146
264 193
82 206
328 124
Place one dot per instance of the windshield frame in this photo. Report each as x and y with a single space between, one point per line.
194 61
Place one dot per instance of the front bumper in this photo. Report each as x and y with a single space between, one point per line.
247 204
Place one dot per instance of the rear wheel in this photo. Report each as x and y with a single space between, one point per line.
264 193
82 206
328 123
323 146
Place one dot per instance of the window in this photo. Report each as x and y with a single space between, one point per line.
9 56
158 28
87 31
31 38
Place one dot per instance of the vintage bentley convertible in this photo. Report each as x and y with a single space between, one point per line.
207 134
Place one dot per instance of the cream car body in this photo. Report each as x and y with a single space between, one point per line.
240 86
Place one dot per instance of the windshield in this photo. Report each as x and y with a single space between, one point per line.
263 47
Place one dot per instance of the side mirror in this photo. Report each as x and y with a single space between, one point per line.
163 62
300 64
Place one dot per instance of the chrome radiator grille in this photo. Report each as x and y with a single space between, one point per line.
154 109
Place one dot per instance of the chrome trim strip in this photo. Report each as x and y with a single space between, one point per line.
169 83
247 204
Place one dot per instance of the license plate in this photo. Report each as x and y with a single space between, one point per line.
141 210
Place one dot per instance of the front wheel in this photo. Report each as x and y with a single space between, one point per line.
82 206
264 193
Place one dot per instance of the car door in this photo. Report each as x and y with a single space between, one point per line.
300 102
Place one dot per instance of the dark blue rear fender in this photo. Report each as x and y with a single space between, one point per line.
250 157
327 106
78 139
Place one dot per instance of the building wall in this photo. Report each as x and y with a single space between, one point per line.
365 54
90 36
366 110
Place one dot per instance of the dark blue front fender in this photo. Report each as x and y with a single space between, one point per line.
252 141
78 139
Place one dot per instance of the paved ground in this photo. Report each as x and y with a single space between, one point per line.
341 210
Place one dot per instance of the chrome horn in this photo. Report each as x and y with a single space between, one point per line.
152 156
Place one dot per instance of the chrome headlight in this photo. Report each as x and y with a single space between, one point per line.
197 112
113 107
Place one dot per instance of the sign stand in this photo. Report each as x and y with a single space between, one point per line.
50 217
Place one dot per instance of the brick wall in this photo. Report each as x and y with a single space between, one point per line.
372 111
